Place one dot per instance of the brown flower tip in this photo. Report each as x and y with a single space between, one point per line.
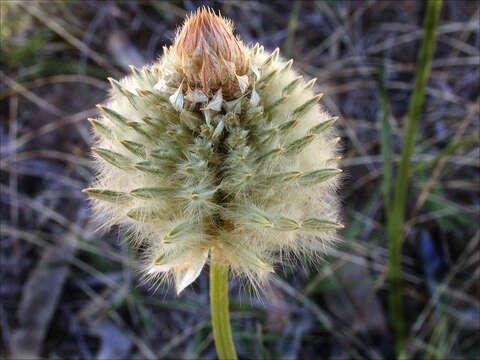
208 54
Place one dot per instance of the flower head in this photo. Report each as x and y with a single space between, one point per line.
216 149
207 53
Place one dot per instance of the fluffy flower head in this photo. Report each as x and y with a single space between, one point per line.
219 153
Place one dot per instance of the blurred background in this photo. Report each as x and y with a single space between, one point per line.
69 292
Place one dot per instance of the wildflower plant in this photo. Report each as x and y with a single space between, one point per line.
217 153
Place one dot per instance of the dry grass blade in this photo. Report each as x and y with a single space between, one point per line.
55 79
441 164
60 30
17 143
20 89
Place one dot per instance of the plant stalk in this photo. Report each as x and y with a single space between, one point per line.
395 221
222 332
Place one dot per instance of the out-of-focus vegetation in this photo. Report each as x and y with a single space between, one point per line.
67 291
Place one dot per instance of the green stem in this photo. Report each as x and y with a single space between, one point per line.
222 332
395 221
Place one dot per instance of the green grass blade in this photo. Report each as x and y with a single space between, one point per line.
396 218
